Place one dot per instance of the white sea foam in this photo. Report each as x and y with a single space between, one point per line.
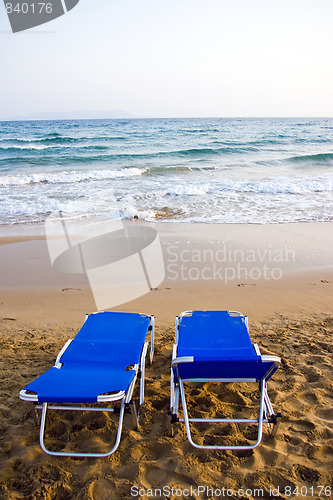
26 147
67 177
287 185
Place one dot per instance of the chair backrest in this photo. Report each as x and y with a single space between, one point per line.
109 337
214 334
220 347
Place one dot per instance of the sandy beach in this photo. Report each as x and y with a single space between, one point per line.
279 275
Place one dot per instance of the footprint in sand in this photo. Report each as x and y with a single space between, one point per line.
159 476
303 426
156 450
325 414
156 476
306 474
101 488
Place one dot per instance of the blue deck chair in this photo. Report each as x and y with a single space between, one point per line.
101 365
215 346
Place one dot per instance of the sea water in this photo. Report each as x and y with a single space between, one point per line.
250 170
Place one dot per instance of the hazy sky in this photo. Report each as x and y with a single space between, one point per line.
173 58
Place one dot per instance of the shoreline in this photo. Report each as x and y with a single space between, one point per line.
36 230
279 267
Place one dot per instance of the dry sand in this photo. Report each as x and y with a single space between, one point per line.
290 317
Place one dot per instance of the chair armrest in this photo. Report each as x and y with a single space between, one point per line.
183 359
26 396
270 359
57 363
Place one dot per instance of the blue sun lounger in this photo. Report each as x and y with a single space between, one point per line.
101 365
215 346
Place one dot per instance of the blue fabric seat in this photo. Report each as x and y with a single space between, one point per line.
80 384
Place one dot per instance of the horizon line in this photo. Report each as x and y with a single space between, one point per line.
249 117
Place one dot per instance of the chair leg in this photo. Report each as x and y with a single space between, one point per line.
135 414
174 405
259 421
35 415
277 419
142 374
67 454
273 419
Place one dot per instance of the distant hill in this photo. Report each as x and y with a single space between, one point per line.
72 115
